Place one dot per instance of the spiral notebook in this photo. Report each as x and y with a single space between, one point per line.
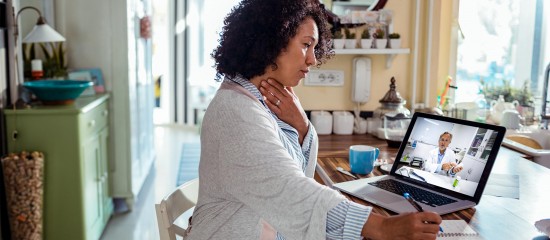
457 229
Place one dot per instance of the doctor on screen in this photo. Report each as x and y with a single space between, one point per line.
442 160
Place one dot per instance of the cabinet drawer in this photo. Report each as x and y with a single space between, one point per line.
95 120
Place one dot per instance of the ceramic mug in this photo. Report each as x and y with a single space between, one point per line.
362 158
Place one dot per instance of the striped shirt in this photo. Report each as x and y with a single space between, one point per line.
346 220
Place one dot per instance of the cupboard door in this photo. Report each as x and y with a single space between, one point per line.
107 204
93 191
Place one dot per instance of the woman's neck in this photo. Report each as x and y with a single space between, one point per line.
258 79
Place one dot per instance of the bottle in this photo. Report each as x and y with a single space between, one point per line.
456 181
36 69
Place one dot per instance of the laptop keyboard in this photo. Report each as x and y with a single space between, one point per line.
418 194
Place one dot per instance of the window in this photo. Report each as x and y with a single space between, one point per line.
504 40
207 20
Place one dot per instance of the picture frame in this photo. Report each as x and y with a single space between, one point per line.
91 74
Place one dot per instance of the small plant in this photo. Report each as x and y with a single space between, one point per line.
379 34
394 36
54 62
54 65
337 35
491 92
349 35
365 34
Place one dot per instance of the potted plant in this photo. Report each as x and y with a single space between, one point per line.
350 39
380 37
510 94
395 40
338 40
366 41
54 59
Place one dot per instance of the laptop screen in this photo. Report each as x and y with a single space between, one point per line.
453 154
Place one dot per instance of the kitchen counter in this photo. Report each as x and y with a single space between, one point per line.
493 218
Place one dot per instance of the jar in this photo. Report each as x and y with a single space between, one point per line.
391 103
395 127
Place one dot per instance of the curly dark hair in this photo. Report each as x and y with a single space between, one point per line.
256 31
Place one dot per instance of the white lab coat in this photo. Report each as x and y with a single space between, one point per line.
431 163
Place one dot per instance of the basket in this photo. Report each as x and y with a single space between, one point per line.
23 178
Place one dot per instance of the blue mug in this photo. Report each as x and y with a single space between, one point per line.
361 158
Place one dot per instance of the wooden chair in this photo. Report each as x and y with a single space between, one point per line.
173 206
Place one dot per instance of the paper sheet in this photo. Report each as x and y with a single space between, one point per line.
457 229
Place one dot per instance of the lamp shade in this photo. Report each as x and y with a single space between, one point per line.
43 33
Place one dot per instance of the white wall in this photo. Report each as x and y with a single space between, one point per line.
428 131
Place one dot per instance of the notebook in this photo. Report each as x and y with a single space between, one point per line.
473 147
457 229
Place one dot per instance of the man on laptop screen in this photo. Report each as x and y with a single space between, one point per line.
444 163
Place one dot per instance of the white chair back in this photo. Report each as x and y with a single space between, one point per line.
174 205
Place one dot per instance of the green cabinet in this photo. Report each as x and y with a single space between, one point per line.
74 140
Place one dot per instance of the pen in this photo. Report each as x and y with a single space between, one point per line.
416 205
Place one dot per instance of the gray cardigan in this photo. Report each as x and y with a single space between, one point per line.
247 177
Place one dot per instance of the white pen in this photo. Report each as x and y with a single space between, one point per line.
345 172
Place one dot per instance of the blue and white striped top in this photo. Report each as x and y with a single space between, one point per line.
346 220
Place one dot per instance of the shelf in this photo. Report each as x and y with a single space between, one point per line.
354 3
389 52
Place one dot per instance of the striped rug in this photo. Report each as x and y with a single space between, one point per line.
189 162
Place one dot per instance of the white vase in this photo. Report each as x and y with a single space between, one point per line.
350 43
381 43
339 43
366 43
395 43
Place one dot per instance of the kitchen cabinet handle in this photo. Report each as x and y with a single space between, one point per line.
103 178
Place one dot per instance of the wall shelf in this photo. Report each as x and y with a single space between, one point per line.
389 52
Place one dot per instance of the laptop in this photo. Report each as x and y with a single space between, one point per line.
418 171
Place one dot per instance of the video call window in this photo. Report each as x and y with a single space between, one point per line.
448 155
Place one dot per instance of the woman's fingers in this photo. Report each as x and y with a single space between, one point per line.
269 95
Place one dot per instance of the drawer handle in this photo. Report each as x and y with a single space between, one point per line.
102 178
105 112
91 123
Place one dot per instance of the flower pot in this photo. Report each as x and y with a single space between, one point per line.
381 43
395 43
350 43
339 43
366 43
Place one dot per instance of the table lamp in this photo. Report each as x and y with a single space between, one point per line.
42 32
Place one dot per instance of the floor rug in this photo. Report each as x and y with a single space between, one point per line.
189 162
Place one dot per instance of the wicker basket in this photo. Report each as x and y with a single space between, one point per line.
23 177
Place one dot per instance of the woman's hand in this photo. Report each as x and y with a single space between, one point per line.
285 104
421 225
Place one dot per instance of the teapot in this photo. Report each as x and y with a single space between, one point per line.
499 106
511 119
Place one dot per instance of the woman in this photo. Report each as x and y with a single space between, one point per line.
259 150
442 159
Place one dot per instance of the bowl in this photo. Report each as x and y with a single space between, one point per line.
57 92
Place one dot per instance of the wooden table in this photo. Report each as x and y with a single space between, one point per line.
493 218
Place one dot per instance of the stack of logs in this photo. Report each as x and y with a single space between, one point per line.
23 177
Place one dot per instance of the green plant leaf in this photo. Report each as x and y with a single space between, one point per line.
45 51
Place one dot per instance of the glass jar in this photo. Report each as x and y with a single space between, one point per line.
392 103
395 127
